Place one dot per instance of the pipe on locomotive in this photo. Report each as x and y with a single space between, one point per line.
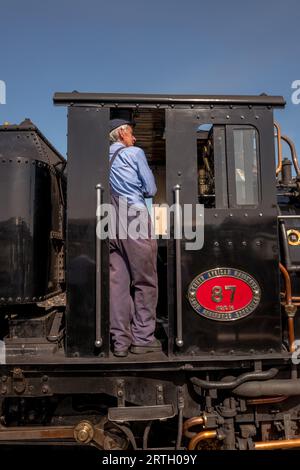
279 148
278 444
267 400
275 387
293 153
247 377
201 436
290 308
292 147
189 423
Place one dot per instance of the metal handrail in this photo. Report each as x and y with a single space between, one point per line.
177 231
98 336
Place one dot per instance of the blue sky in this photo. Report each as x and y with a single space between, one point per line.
157 46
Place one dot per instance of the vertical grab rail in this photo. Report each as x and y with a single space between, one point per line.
177 232
98 340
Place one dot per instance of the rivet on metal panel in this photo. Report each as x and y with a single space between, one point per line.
121 393
242 117
256 117
260 214
227 117
246 215
159 395
216 243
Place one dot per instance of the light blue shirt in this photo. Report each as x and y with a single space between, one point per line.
130 175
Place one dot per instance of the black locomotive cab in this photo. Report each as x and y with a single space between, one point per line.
215 158
226 217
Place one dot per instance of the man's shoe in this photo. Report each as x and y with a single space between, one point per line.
154 346
121 353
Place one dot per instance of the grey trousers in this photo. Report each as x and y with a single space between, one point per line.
133 288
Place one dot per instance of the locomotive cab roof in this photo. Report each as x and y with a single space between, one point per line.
75 97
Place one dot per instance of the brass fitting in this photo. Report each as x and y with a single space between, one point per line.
290 310
84 432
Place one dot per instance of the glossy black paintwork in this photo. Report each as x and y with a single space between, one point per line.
261 330
29 212
118 98
87 167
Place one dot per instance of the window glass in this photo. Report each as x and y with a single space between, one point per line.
246 166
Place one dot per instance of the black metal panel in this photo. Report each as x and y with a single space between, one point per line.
87 167
25 225
26 140
31 215
243 238
233 242
113 98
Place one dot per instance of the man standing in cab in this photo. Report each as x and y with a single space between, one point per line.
133 259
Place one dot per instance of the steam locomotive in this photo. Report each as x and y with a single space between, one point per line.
227 376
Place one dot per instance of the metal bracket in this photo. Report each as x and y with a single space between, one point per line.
18 381
180 398
121 393
160 395
56 235
287 426
56 333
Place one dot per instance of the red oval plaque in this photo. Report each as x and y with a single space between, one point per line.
224 294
